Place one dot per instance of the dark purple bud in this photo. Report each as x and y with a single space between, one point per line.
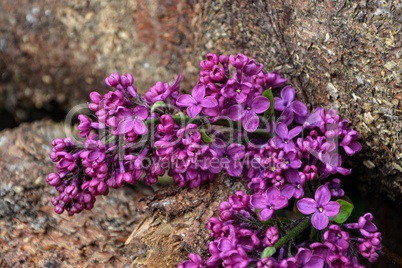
124 177
251 68
239 201
95 97
167 124
274 80
239 61
102 188
113 79
212 59
53 179
223 59
58 209
218 74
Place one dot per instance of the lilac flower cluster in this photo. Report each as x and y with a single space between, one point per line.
299 164
242 235
131 137
240 121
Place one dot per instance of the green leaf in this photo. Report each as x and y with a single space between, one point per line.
344 213
268 252
207 139
158 104
268 94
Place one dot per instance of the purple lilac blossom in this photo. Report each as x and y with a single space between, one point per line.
196 101
268 202
115 152
321 207
293 109
247 112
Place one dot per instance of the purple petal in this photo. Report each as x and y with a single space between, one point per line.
265 214
260 104
288 94
194 110
307 206
185 100
250 121
280 202
286 117
236 151
235 112
370 227
332 209
93 155
322 195
294 132
125 126
277 142
215 168
302 256
314 119
219 147
292 176
258 201
314 262
124 112
299 108
299 193
282 130
198 92
228 91
319 221
235 168
272 193
139 127
209 102
141 112
343 171
279 105
288 191
295 163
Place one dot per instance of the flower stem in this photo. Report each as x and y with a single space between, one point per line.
293 232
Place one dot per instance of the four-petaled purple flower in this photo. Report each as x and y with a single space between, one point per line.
248 111
196 101
321 207
285 137
132 120
229 158
268 202
336 236
293 109
236 90
295 180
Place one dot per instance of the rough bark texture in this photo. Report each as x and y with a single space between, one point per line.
53 54
341 54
